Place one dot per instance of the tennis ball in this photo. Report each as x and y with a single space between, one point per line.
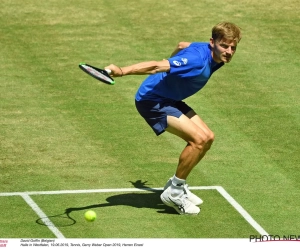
90 215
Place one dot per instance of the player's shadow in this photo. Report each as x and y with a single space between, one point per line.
149 198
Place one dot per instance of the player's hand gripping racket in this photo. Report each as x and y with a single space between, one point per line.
100 74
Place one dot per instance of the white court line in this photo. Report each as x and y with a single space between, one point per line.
58 234
43 216
242 211
82 191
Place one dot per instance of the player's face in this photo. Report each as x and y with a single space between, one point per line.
223 50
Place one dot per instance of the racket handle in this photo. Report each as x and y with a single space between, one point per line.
108 71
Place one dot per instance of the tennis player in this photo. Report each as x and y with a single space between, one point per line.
160 97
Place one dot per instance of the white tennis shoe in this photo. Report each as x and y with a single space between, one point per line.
192 197
181 203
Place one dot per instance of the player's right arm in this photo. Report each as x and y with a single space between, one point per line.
180 46
143 68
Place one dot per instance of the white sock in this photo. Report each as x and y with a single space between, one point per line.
177 186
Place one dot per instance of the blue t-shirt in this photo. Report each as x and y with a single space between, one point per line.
190 70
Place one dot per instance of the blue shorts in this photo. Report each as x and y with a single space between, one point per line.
155 113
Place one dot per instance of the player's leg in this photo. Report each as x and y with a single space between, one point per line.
198 137
168 116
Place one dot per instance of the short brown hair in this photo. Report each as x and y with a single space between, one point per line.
226 30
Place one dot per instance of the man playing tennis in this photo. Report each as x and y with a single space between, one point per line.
159 101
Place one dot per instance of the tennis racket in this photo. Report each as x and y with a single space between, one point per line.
100 74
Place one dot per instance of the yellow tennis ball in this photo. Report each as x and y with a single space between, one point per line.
90 215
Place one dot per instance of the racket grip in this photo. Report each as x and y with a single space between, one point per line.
108 71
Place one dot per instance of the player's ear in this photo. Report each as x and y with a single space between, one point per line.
212 42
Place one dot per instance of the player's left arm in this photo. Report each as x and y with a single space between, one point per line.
143 68
180 46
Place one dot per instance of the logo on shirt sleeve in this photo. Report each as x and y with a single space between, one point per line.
184 60
177 63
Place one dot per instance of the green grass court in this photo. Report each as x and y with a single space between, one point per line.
63 134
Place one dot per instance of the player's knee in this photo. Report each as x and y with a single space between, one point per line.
203 141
